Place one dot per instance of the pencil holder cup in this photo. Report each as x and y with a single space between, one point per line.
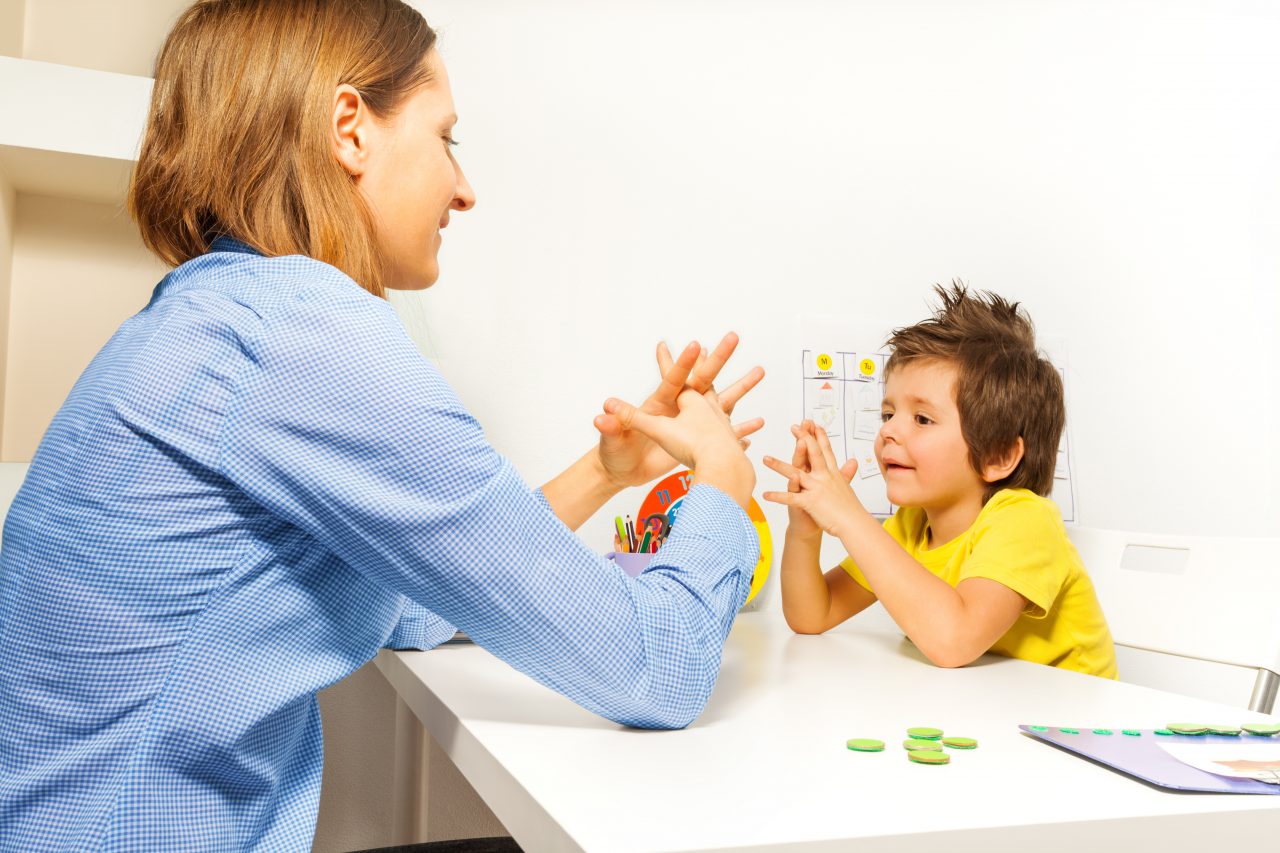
632 564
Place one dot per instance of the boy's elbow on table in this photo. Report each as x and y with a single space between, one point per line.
950 653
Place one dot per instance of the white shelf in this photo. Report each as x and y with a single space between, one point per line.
75 132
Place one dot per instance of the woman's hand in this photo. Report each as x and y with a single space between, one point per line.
699 436
628 457
820 488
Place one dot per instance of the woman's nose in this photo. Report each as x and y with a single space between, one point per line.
464 197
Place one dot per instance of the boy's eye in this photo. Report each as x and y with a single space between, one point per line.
450 141
923 420
885 416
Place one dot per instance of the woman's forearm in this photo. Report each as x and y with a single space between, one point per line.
579 491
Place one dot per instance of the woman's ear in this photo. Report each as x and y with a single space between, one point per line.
1002 466
350 130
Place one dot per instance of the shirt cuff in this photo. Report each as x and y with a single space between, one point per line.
708 517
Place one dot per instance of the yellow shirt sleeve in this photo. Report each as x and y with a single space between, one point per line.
1019 543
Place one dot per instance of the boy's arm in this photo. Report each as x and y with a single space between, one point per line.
952 626
812 602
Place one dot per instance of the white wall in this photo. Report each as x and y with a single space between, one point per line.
681 168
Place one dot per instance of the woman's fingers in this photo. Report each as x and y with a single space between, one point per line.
708 368
730 396
630 417
675 373
607 425
665 361
746 428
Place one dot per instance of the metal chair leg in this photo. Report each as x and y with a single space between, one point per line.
1264 691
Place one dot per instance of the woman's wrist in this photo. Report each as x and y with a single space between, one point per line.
583 487
731 473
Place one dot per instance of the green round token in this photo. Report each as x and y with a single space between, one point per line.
1131 732
865 744
1103 732
1187 728
1224 730
1070 731
920 743
960 742
928 756
1264 729
924 733
1038 728
1163 732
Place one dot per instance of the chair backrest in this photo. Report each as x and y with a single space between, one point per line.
1203 599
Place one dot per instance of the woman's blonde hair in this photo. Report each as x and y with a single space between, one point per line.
238 139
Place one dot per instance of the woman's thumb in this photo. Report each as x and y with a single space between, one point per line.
632 418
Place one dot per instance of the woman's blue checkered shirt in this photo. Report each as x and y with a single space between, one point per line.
256 484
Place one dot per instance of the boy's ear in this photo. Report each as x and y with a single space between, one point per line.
1002 466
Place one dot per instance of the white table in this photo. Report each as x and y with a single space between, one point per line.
765 767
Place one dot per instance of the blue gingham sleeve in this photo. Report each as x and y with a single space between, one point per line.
340 427
419 629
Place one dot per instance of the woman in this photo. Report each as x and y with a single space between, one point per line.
258 481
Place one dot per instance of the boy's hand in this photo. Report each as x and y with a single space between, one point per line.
799 522
819 488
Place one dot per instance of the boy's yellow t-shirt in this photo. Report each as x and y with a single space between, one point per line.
1018 540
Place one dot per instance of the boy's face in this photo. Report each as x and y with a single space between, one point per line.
920 447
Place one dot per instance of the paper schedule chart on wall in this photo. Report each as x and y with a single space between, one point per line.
668 494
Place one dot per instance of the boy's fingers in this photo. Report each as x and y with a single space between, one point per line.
787 498
815 452
746 428
824 444
848 469
781 467
800 458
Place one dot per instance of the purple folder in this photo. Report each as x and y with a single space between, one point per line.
1141 756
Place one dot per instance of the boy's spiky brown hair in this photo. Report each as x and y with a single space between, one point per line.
1004 387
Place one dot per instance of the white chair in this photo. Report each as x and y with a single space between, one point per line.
1194 615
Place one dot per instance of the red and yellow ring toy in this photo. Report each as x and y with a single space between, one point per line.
665 499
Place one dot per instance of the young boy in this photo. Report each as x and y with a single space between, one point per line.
976 559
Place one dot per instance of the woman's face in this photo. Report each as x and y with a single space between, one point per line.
411 181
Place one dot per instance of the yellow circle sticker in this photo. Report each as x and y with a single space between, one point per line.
824 362
867 366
